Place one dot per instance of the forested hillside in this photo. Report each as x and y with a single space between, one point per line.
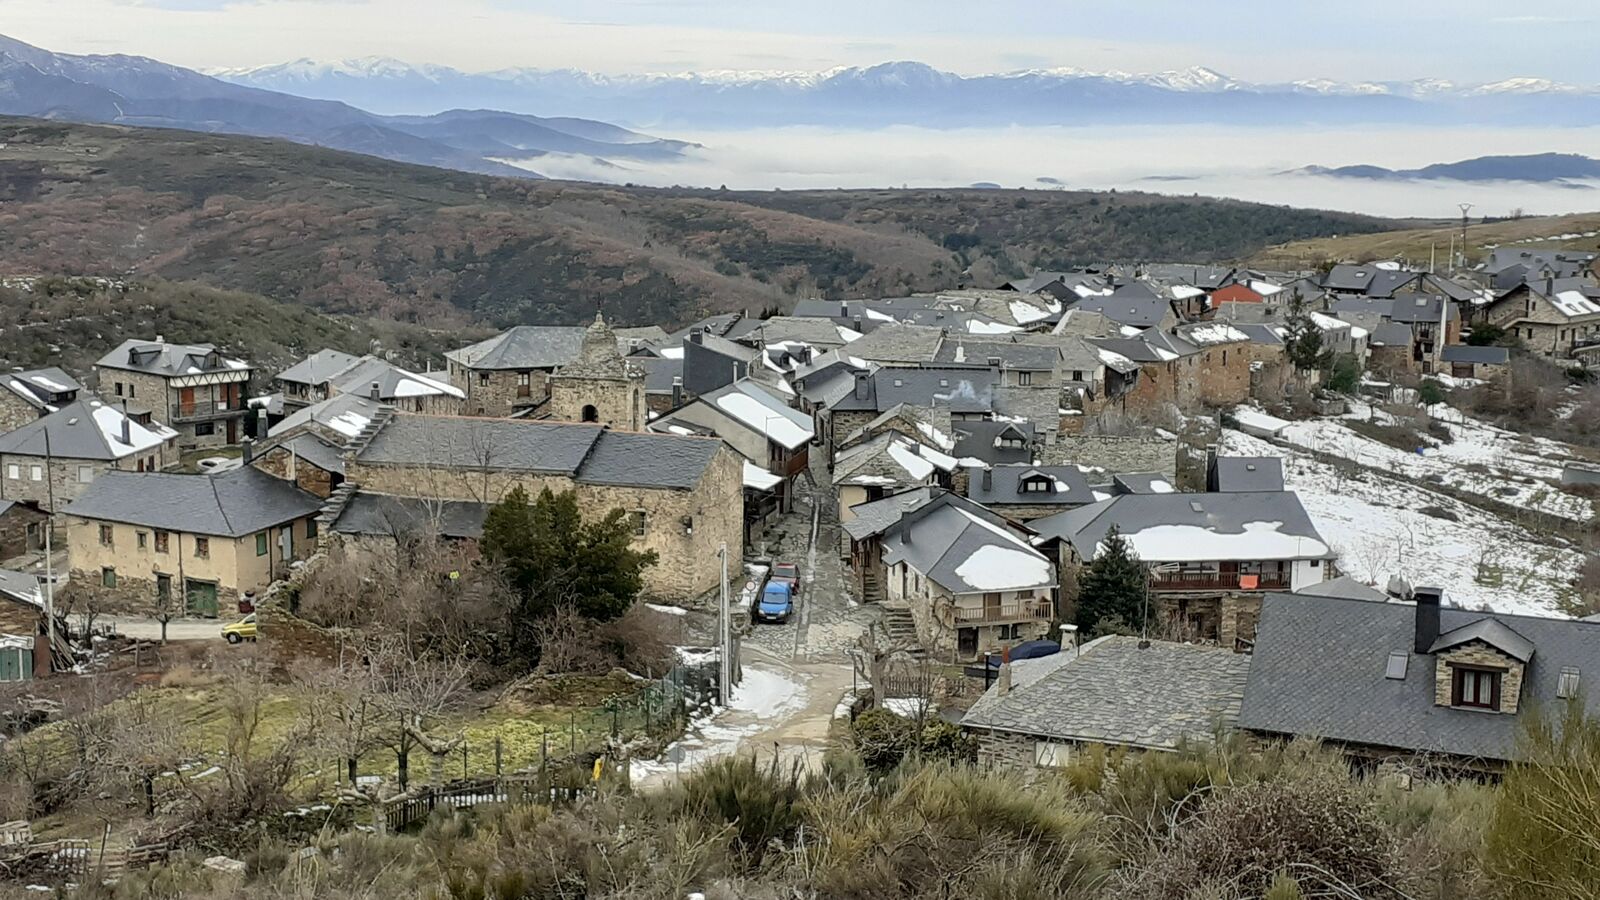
352 234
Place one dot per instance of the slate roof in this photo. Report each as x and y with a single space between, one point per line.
318 367
1249 473
313 449
876 516
760 413
1391 334
1068 486
945 543
1319 671
1207 277
1493 632
21 586
167 360
1141 483
1114 692
393 382
963 390
1344 587
821 333
1246 525
84 429
346 414
1140 308
41 387
1260 332
381 514
979 440
1464 353
1410 306
659 372
591 454
1034 282
972 351
898 343
1386 281
889 458
235 503
1349 278
523 347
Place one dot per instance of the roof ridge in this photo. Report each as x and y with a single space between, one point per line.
218 497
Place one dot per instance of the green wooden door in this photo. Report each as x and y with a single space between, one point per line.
201 597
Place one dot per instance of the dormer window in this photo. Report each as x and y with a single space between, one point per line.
1475 688
1011 443
1036 485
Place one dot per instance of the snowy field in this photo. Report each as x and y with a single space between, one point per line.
1376 526
1482 459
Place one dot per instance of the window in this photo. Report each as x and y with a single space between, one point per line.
1036 486
590 414
1395 670
118 388
991 598
1077 374
13 471
205 429
1224 357
202 548
36 473
311 528
261 544
1476 688
161 542
1051 755
105 535
108 577
130 389
638 517
1024 378
1316 563
85 474
1567 684
483 379
142 539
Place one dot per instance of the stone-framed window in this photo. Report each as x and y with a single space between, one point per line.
202 548
36 473
85 474
106 535
142 539
1475 688
161 541
641 521
261 543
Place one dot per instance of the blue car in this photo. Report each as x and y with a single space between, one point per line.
776 603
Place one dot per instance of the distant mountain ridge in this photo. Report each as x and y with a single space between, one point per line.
133 90
1539 167
913 93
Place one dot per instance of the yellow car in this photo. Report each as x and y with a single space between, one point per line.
242 630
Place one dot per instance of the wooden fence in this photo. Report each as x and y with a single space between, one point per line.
403 812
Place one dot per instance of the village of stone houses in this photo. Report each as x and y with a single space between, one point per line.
1101 547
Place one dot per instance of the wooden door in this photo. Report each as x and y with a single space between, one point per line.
233 431
186 401
201 597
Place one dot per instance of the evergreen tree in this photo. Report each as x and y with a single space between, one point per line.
1111 591
1304 341
553 558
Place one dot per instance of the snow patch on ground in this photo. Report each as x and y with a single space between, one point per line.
761 697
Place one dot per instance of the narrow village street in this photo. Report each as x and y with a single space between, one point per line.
795 673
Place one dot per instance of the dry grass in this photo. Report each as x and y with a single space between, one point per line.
1416 244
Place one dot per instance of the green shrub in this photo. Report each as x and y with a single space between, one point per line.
881 739
1430 393
761 804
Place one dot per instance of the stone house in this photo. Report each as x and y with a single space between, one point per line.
1133 307
968 393
311 463
771 435
52 460
1390 350
1115 692
1435 324
969 579
1549 317
193 388
887 463
140 542
24 649
510 372
684 493
22 526
306 382
711 361
1485 363
1211 556
384 382
1386 681
34 393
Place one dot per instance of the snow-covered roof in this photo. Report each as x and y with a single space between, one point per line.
758 478
966 551
1574 303
85 429
762 411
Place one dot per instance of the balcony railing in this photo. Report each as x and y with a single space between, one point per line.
1004 612
201 410
1219 581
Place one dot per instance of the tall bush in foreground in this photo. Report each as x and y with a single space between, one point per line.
1544 841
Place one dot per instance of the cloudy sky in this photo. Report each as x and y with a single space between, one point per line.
1259 40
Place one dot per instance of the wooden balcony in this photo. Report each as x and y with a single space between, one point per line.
202 410
1009 611
1219 581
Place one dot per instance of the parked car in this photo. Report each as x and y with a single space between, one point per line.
242 630
775 603
788 573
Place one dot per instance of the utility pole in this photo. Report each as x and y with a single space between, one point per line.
1465 207
725 666
49 552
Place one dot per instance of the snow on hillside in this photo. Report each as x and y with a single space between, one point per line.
1377 526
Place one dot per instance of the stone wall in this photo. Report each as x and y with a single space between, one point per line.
1115 453
15 412
617 402
139 389
494 392
65 480
1005 751
310 478
1479 655
14 527
1224 375
842 424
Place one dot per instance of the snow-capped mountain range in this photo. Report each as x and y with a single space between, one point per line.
918 94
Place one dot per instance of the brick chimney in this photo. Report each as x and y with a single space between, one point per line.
1427 628
373 391
988 478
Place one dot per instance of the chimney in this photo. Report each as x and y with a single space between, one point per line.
844 310
1003 685
1549 287
127 425
988 478
1427 632
373 391
246 450
863 385
261 423
994 362
677 391
857 323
